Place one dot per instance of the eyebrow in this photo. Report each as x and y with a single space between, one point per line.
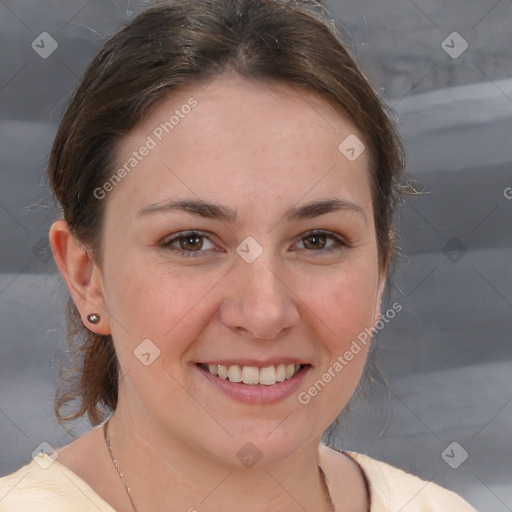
214 211
195 207
317 208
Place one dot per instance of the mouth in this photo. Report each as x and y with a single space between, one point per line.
253 375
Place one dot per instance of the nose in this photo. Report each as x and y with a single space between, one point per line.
259 303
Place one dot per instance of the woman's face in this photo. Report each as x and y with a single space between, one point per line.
281 267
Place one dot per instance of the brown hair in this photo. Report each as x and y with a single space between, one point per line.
167 47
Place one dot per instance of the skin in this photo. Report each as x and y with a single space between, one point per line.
261 150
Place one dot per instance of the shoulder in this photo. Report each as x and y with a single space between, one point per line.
44 485
392 489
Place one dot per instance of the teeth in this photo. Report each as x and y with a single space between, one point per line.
222 371
250 374
253 375
268 375
235 373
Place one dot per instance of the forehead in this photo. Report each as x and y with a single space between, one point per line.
230 138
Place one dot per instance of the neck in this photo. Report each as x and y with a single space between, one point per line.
162 470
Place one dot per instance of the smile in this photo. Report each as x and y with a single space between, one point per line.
253 375
254 382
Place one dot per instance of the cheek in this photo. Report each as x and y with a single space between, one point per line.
342 308
345 301
151 301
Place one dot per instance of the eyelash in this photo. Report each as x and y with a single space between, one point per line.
166 244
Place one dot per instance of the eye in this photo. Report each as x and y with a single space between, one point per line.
322 241
189 244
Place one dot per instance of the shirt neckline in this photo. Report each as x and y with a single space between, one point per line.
96 499
55 466
368 486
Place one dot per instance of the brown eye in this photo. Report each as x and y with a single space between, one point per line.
315 242
191 242
322 242
188 244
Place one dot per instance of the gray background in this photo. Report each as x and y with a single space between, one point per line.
446 355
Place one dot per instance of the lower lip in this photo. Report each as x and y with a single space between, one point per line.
256 393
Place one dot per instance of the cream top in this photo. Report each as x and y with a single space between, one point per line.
45 485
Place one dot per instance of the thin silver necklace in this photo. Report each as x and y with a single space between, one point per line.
330 505
107 440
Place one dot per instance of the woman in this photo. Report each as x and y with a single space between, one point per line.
228 179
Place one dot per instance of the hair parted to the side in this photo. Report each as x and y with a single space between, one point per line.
176 44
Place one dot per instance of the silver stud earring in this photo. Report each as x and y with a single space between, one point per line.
94 318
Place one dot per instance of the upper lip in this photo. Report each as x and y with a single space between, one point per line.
274 361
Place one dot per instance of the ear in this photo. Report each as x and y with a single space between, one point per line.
82 275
